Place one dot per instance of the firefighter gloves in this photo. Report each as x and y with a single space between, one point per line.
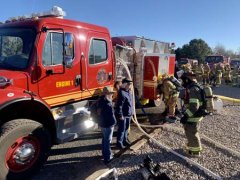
183 120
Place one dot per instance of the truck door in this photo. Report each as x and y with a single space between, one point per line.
57 83
99 62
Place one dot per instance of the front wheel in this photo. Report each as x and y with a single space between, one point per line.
24 147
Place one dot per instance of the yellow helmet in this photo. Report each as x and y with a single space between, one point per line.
165 75
159 78
144 101
189 66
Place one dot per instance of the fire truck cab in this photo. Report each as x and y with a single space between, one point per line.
50 70
214 59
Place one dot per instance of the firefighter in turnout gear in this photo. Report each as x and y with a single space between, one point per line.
219 72
187 67
170 95
235 75
194 67
199 73
227 74
206 72
212 75
191 119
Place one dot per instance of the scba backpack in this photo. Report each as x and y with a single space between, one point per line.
176 82
207 100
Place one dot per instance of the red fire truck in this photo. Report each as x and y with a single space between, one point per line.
147 59
214 59
50 69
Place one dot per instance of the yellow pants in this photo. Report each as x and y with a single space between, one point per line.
199 78
193 138
205 78
235 81
171 104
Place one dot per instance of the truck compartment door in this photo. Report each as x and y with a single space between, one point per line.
171 65
163 66
151 64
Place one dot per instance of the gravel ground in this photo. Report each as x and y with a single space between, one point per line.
223 128
79 158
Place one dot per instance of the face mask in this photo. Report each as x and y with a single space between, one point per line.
123 85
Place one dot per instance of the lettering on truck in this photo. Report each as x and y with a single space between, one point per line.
61 84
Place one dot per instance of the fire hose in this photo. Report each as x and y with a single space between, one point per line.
207 171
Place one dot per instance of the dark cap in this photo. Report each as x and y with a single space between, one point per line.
126 80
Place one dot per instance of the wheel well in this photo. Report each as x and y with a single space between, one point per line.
29 109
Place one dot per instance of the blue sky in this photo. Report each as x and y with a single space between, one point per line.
179 21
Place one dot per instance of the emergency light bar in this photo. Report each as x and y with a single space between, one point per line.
172 45
54 12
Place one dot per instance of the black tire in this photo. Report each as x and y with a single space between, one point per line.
15 135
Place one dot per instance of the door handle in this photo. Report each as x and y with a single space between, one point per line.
78 79
49 72
109 76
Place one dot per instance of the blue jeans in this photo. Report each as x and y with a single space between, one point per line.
122 134
106 143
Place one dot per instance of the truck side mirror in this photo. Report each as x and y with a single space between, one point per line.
68 50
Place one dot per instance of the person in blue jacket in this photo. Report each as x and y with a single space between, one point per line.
124 112
107 121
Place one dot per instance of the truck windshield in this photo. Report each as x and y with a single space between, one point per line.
183 61
214 59
15 47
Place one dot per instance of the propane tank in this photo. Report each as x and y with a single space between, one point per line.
180 73
218 104
209 98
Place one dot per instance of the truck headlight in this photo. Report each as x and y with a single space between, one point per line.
4 82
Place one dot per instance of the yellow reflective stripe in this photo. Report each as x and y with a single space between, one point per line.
193 100
172 86
195 149
189 113
197 119
175 94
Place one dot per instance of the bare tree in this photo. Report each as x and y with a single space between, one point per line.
221 50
